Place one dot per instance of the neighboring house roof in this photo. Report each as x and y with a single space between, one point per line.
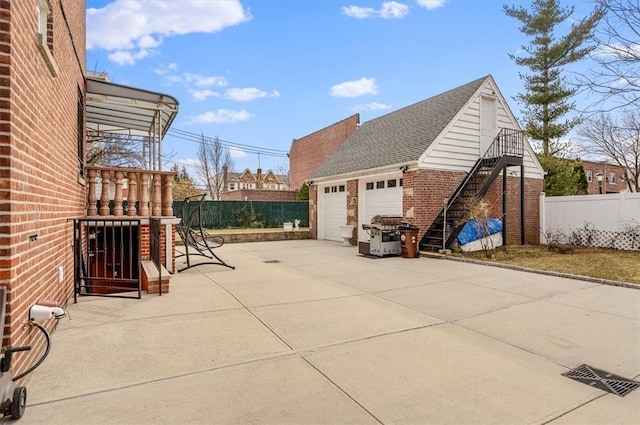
400 136
234 176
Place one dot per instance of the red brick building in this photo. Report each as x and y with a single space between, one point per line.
50 107
308 152
603 177
42 90
409 162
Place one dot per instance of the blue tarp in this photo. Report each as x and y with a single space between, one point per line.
473 230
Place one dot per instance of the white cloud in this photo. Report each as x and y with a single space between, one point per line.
168 69
136 25
372 106
204 80
249 93
431 4
221 116
359 12
189 79
392 9
204 94
237 153
148 42
389 9
122 58
355 88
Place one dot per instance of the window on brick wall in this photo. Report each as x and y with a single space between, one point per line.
589 174
612 178
44 32
80 134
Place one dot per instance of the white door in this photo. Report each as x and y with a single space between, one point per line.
380 196
488 124
332 211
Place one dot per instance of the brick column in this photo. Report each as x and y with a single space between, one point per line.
352 209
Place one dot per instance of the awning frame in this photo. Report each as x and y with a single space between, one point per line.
119 109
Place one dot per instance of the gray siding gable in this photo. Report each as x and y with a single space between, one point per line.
398 137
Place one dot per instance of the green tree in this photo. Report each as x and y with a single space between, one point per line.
582 185
183 184
564 177
303 193
547 93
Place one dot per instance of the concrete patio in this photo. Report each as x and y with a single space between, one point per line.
325 336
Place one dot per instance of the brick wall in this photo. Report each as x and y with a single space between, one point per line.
313 211
259 195
308 152
39 185
604 168
532 191
423 195
352 209
424 192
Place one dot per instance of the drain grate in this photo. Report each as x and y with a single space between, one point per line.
271 261
602 380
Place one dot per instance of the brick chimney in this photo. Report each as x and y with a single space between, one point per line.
259 178
225 178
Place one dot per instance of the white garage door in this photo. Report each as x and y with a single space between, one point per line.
332 211
382 196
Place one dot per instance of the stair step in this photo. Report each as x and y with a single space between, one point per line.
430 247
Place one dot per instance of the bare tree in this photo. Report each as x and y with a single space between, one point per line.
282 172
618 141
616 79
118 150
213 158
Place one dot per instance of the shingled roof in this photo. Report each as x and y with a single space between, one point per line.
398 137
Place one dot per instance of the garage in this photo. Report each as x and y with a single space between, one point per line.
380 196
332 211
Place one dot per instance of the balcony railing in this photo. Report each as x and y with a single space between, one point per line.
129 192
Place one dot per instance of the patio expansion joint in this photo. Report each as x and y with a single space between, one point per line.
342 390
141 319
299 353
535 353
555 418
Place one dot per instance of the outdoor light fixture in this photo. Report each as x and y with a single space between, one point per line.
600 177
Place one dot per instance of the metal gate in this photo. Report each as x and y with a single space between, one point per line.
107 258
155 247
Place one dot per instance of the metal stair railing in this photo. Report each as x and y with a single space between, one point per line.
508 143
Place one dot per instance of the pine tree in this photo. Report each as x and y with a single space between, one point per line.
547 97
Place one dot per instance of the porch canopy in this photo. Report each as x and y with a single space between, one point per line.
132 112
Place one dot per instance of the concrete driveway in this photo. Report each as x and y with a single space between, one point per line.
309 332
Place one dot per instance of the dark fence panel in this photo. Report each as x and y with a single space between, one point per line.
244 214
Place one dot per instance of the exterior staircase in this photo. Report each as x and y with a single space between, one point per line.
506 150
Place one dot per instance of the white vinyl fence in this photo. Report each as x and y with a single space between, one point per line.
605 221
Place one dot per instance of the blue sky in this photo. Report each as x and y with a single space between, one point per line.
263 72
